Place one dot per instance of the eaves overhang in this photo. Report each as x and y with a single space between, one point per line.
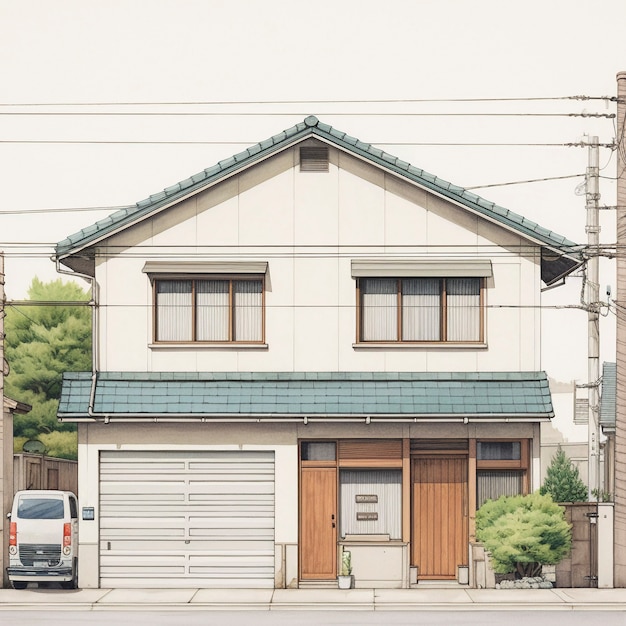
15 406
111 418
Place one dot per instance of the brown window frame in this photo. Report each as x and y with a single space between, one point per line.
194 278
521 465
443 312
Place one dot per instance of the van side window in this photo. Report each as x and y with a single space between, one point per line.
73 508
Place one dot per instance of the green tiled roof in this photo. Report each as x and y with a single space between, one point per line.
311 126
412 394
607 402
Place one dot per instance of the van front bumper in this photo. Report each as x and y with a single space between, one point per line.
39 574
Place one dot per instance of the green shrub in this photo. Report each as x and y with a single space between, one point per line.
522 533
58 444
562 481
61 445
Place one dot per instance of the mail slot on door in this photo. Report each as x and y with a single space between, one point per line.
366 516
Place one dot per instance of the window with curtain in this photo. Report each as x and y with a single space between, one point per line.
501 468
209 310
420 309
491 484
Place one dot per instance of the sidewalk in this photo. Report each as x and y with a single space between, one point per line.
321 599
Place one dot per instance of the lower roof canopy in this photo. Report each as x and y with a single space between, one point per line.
233 396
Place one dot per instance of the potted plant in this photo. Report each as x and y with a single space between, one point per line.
345 577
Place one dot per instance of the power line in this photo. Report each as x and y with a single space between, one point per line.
520 182
149 305
65 210
577 144
278 102
267 251
26 212
295 113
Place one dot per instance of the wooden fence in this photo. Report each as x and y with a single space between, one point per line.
35 471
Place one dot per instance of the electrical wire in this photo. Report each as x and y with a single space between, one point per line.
296 113
24 212
149 305
518 182
291 102
577 144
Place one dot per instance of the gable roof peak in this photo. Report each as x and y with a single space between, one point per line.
566 251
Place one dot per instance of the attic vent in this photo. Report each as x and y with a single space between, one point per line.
313 159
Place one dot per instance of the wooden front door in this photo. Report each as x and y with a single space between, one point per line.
439 534
318 523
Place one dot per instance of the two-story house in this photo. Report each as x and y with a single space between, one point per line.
310 347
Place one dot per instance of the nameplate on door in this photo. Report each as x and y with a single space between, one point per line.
365 498
366 516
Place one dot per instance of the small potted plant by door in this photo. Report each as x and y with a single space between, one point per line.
345 577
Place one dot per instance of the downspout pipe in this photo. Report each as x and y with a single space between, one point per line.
94 329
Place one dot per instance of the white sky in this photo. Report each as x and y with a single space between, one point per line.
155 51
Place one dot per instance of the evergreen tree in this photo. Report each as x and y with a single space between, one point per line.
522 533
562 481
42 341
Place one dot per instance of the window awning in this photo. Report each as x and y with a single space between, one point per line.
205 267
432 268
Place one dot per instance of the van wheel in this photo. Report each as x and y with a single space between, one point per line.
19 584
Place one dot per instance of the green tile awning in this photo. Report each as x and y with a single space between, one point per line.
383 395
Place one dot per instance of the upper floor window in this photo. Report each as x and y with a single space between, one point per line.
420 309
209 309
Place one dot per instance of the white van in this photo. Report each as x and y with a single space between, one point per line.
43 538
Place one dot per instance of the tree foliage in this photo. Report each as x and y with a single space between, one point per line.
563 481
61 445
522 533
43 341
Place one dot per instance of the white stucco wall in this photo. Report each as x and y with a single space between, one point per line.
308 227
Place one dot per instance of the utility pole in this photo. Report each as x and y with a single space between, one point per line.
6 433
592 197
619 551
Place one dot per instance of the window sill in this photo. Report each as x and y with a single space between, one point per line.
420 346
208 346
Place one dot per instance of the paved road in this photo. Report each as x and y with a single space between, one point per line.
57 617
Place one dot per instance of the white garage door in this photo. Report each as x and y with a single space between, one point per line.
187 519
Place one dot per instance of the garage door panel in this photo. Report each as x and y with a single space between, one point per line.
220 508
161 549
218 581
168 491
144 572
138 464
187 517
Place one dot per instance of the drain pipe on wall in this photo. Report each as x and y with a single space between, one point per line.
94 328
